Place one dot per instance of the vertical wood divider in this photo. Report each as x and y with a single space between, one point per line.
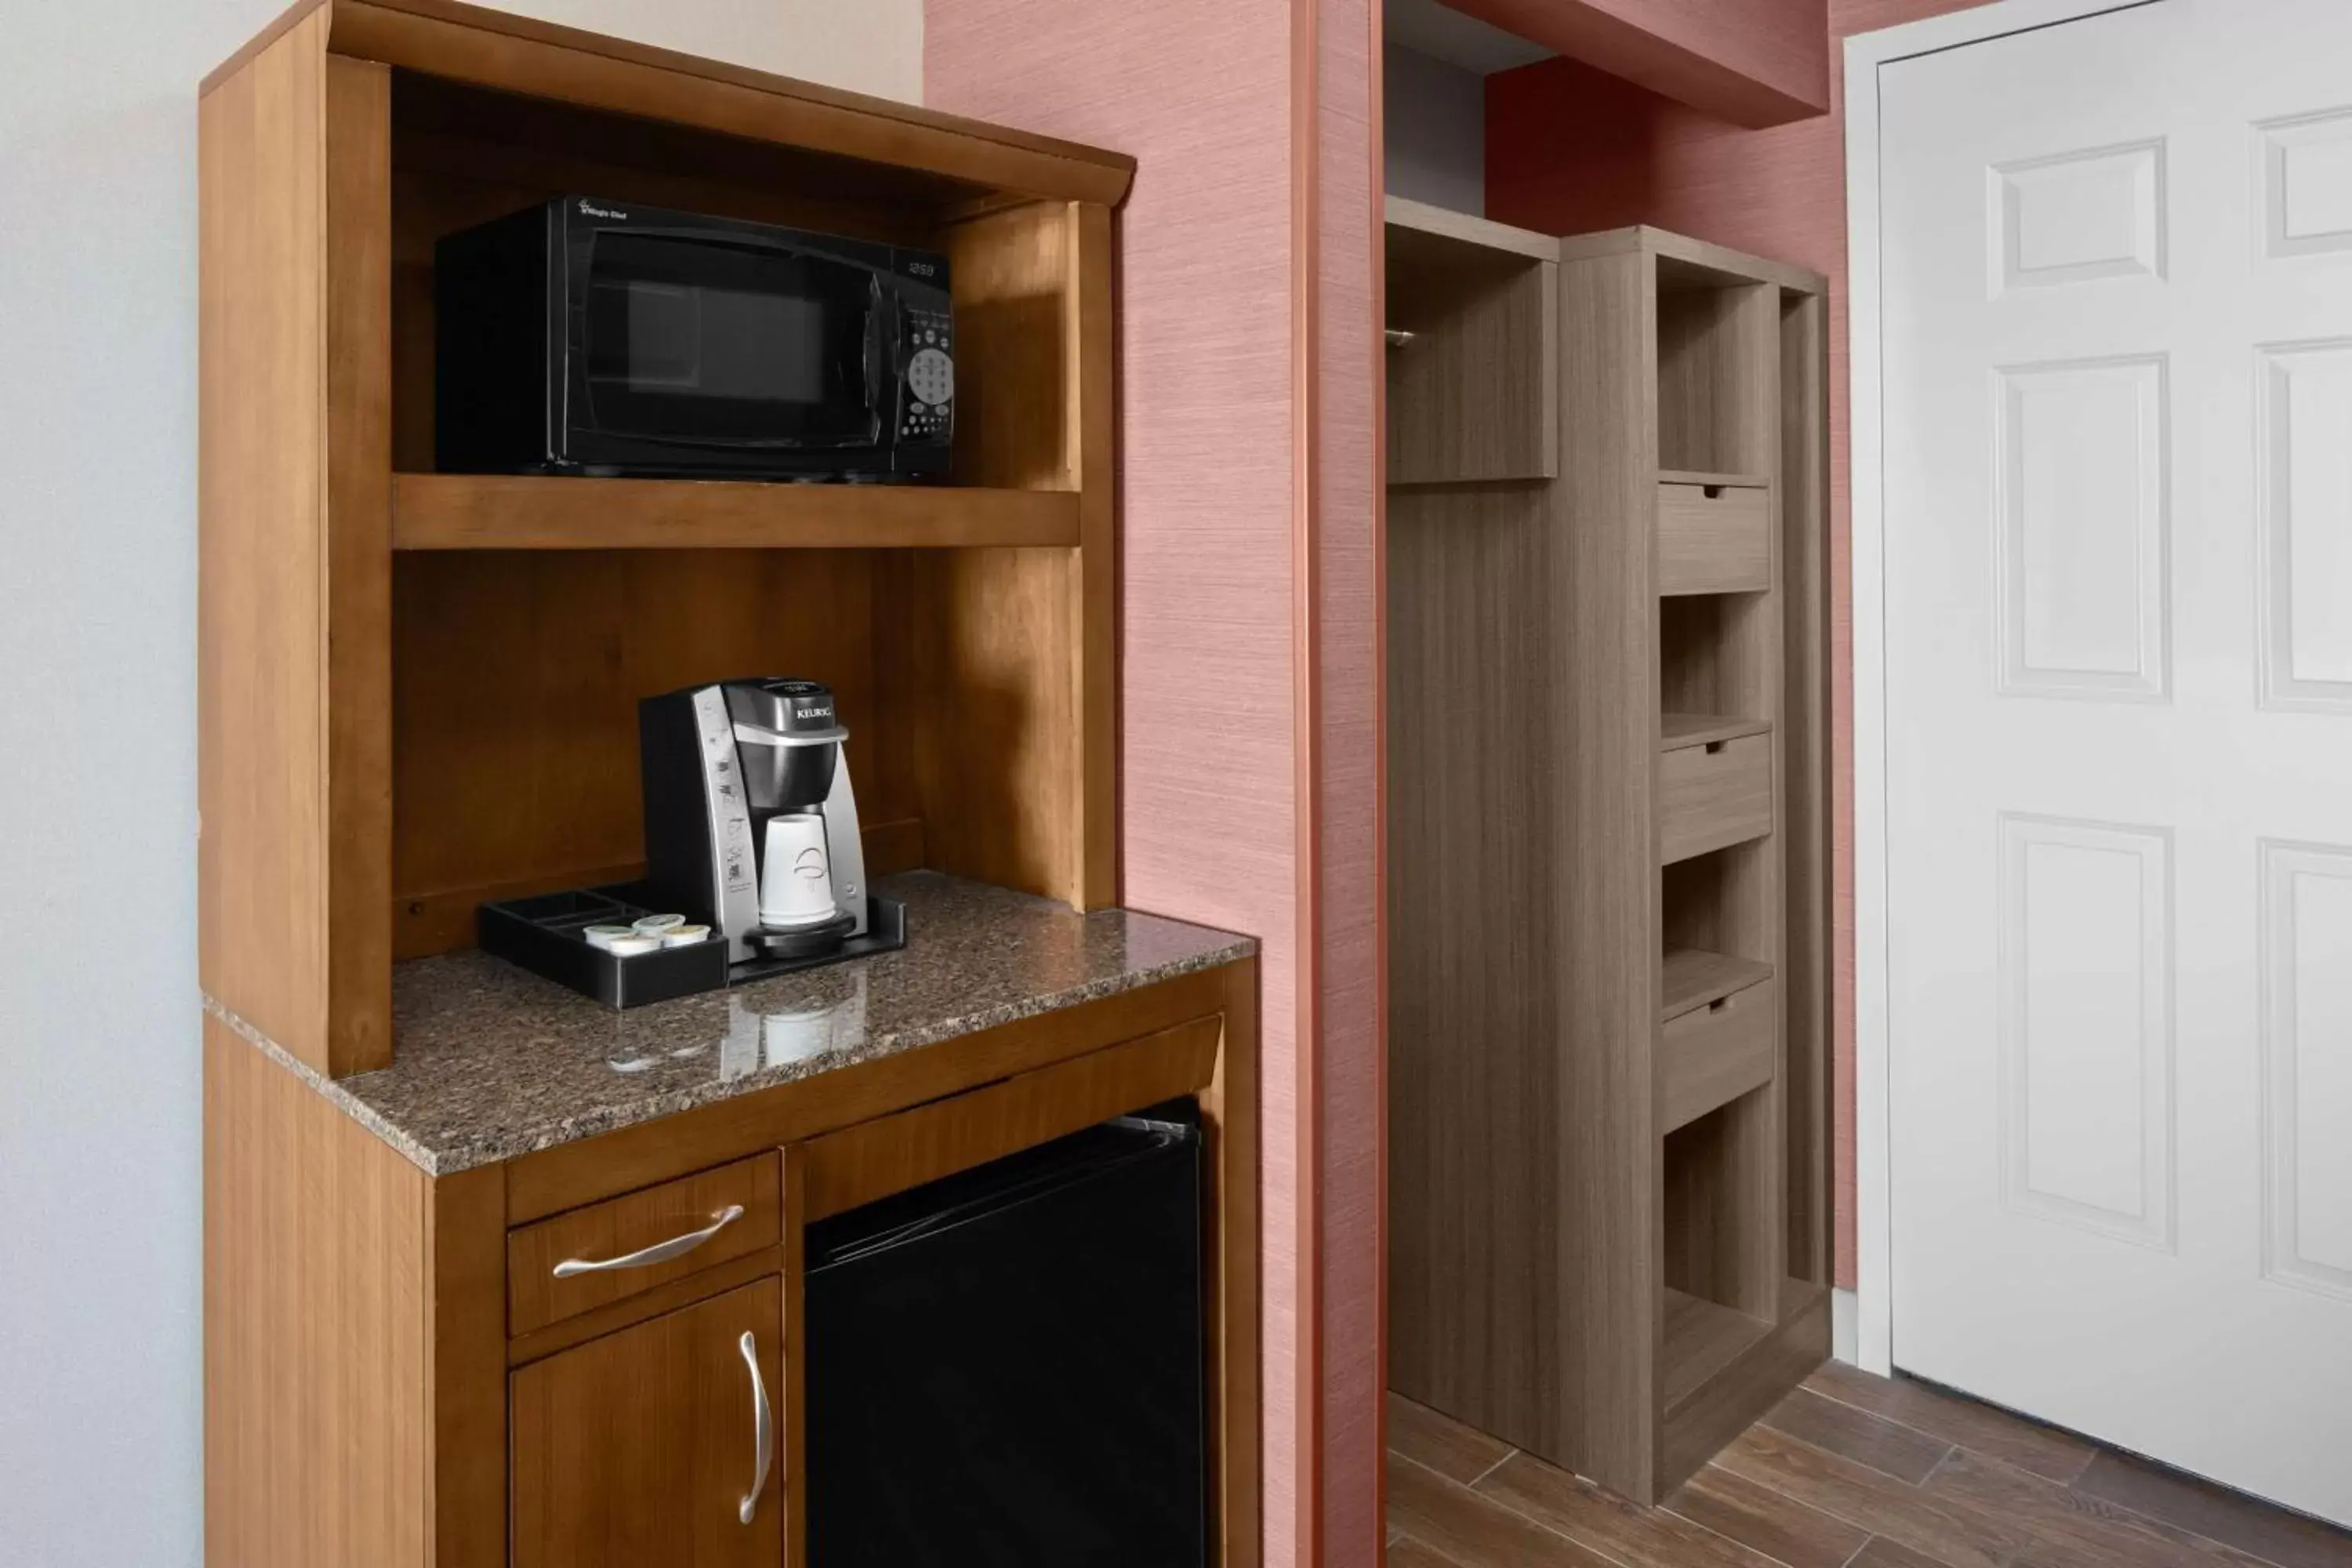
357 522
468 1389
1092 438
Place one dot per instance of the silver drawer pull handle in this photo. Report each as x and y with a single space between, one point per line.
659 1252
763 1429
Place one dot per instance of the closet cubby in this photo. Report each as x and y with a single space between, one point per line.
1473 349
1608 881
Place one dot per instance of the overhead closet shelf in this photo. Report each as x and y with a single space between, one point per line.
1692 977
522 511
1677 731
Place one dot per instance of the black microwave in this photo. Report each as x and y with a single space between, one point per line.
601 337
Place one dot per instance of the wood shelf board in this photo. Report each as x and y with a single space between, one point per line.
1701 1339
1677 731
1703 477
1483 234
1682 261
523 511
1692 977
515 54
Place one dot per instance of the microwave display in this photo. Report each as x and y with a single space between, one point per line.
587 336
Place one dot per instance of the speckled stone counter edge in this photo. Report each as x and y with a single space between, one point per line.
351 1106
466 1154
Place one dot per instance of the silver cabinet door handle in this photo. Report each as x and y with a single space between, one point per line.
659 1252
763 1429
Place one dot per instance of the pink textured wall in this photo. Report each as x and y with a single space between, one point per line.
1248 582
1348 534
1569 149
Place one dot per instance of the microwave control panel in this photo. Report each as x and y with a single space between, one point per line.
928 413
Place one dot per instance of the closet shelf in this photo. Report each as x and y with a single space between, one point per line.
1727 481
1692 977
1702 1338
1677 731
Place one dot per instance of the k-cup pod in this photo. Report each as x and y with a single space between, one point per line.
685 936
605 936
654 925
631 945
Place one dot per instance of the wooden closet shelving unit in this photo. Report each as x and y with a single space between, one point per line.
1609 850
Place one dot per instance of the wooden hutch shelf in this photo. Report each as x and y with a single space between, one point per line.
498 512
440 705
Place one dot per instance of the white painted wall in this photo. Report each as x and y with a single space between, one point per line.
1434 117
101 1380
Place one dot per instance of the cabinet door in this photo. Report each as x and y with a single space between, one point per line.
652 1443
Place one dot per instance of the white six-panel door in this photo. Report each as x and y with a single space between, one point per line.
2116 273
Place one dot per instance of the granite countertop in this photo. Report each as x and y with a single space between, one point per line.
490 1061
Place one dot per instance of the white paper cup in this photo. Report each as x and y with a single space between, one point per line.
795 878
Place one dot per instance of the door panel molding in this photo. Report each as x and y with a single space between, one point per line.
2307 976
2086 983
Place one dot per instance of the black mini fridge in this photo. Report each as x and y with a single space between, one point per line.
1006 1368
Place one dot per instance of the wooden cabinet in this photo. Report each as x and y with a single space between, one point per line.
371 1404
656 1444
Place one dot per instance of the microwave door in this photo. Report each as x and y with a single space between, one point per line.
703 342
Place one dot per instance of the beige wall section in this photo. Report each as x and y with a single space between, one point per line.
865 45
100 1100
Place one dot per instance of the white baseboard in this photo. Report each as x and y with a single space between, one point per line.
1846 1326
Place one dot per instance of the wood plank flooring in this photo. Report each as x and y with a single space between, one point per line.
1850 1471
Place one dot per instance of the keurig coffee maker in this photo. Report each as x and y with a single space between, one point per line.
751 823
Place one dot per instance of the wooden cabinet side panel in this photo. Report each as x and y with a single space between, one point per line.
469 1509
262 594
1094 465
317 1429
1806 823
1604 677
358 631
1229 1113
997 667
1474 762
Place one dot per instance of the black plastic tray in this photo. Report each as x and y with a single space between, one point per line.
544 935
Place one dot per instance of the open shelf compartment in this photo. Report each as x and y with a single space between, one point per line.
1722 1239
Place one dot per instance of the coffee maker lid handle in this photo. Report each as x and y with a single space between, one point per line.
760 735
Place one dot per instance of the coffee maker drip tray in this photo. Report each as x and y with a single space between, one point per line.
782 950
547 935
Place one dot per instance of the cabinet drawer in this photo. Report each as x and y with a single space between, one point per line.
1714 539
1711 1055
590 1256
1713 796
